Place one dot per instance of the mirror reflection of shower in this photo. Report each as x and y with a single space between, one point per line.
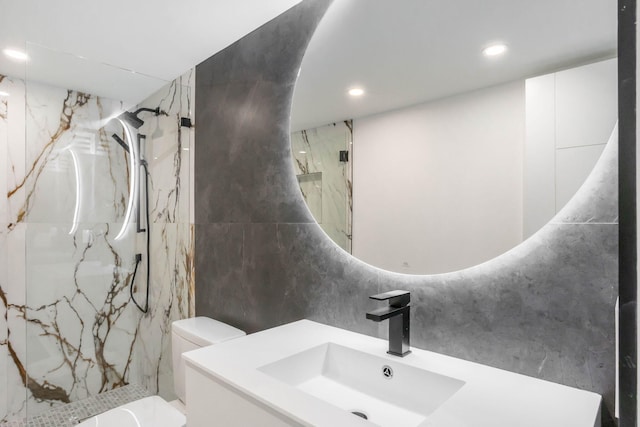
138 203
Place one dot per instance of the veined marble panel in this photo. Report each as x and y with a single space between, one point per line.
81 327
12 327
167 149
324 180
15 150
4 353
68 329
4 142
72 198
169 298
75 170
12 299
12 241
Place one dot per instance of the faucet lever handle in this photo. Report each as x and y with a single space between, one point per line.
396 298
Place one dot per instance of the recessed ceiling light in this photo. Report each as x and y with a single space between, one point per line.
2 93
494 50
302 152
356 91
16 54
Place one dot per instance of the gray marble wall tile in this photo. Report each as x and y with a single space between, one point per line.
545 308
246 260
248 119
219 247
548 319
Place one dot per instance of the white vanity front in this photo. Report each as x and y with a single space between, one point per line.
309 374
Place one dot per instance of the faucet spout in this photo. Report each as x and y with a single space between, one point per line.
398 314
384 313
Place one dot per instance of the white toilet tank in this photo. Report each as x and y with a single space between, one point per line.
191 334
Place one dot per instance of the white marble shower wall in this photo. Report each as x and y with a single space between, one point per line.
73 198
168 148
3 254
12 243
325 180
67 327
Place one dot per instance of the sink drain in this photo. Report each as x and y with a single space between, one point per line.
387 371
360 414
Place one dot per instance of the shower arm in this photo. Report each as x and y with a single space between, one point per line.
155 111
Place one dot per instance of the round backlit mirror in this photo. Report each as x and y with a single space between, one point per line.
429 137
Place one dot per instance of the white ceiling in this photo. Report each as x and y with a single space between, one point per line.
405 52
123 49
402 52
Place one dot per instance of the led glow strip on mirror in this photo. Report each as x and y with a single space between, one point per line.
133 179
76 211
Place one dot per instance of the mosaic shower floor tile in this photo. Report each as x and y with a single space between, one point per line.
76 412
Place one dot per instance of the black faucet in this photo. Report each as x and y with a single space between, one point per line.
398 314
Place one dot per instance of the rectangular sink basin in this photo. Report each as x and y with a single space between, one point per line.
387 393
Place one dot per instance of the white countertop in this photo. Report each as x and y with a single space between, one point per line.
489 397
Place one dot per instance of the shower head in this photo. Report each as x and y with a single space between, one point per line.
134 120
121 142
